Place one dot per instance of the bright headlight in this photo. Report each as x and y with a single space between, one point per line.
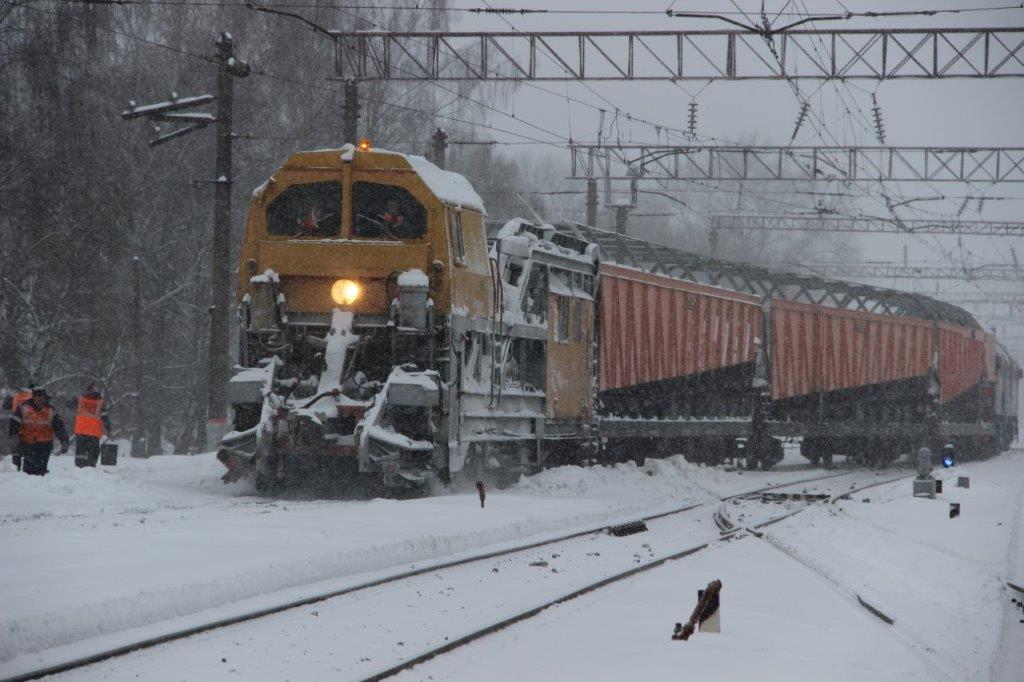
346 291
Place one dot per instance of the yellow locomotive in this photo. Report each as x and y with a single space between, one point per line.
382 338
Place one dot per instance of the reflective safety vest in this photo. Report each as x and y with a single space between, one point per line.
87 417
19 398
36 425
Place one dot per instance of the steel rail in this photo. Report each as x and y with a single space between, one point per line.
870 608
149 642
604 582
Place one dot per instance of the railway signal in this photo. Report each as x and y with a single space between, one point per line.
229 67
924 483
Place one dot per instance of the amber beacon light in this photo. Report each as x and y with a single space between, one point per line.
346 291
364 145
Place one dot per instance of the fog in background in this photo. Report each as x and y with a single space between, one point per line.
953 112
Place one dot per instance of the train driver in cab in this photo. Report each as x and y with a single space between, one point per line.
398 225
394 217
382 211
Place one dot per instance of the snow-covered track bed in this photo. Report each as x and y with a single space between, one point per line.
760 508
720 517
367 592
606 581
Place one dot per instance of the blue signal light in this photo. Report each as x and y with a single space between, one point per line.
947 461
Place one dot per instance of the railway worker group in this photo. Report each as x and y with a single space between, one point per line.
34 423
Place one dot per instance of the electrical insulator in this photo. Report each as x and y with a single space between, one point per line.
801 116
692 127
877 112
963 206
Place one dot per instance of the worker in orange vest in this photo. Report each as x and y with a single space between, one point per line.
92 417
36 423
11 404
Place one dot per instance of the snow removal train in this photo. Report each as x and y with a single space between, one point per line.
386 339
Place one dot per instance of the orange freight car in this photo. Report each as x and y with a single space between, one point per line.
817 349
657 328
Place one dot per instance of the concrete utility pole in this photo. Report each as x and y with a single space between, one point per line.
228 68
592 202
350 113
176 111
138 424
621 213
440 145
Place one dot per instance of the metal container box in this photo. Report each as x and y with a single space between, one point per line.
962 360
655 327
817 349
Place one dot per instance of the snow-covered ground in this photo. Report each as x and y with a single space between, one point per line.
943 580
792 614
91 554
780 622
95 558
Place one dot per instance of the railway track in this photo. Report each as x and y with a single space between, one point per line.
172 636
913 644
618 577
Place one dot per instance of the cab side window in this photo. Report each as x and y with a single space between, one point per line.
310 210
563 314
458 239
386 212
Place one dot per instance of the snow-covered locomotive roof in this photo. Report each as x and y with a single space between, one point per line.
450 188
447 186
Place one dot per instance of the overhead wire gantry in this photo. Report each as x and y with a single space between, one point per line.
829 54
830 222
821 163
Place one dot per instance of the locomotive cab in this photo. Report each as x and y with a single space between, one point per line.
339 226
351 265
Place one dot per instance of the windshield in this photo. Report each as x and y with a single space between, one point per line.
386 212
310 210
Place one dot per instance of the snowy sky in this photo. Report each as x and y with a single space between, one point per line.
916 112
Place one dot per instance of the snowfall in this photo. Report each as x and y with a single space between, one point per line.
92 559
